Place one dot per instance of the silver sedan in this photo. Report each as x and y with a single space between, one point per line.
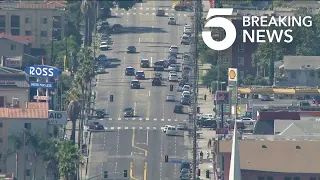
170 98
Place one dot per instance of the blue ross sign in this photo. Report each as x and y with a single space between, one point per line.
46 85
176 161
42 71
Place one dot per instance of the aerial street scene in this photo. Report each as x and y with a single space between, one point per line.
159 90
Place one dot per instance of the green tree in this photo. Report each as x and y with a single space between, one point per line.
65 82
212 75
75 18
49 152
128 4
5 156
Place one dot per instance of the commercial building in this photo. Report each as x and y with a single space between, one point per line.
14 45
42 21
14 120
278 158
14 88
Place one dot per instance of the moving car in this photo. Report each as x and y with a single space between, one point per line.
174 49
185 93
187 29
185 165
116 28
185 39
157 75
186 88
128 112
101 70
172 60
156 81
160 12
100 113
178 109
140 75
145 63
135 84
174 67
173 77
96 126
266 98
172 21
164 129
130 71
104 46
102 57
182 126
158 66
131 49
170 98
185 100
171 131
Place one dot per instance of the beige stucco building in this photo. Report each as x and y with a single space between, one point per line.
41 21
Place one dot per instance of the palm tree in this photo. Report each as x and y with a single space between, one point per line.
5 156
73 112
19 140
49 151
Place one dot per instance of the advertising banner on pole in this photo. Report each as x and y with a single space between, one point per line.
233 87
222 97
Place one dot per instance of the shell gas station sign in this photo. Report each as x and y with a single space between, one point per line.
233 74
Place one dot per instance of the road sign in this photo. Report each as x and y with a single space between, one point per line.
46 85
57 117
46 98
222 131
222 97
42 71
176 161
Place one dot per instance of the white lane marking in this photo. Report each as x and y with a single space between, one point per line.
118 128
110 119
147 135
155 8
126 119
169 119
147 13
167 9
133 127
119 119
128 13
134 13
140 128
149 93
154 127
162 119
176 120
140 119
140 13
166 14
112 128
122 13
101 119
154 119
147 8
141 8
153 13
151 60
133 119
126 127
139 39
147 119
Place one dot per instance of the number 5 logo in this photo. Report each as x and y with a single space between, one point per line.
221 22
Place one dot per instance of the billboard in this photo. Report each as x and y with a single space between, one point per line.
46 85
57 117
42 71
222 97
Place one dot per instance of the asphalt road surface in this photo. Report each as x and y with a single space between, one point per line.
137 144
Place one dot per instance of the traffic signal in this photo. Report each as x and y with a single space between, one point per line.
198 110
198 172
207 174
171 87
111 98
125 173
166 158
105 174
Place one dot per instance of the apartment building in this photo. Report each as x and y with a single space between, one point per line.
15 120
42 21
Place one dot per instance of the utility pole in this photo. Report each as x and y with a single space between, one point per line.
197 14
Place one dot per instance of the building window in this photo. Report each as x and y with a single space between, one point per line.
313 178
287 178
0 140
15 32
28 172
269 178
240 61
296 178
27 126
293 75
1 124
44 20
44 34
2 21
28 33
26 20
13 47
241 73
240 47
260 178
15 21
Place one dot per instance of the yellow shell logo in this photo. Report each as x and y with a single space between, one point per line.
232 74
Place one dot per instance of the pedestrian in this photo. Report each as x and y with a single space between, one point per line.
201 155
209 143
205 97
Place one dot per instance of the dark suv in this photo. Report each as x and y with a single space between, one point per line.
156 81
130 71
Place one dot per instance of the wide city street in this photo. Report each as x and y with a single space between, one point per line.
137 144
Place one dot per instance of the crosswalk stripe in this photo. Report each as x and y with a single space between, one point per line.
159 8
147 8
126 127
133 127
140 128
110 119
118 128
162 119
166 14
148 127
133 119
128 13
140 13
155 119
126 119
154 127
147 119
155 8
112 128
153 13
140 119
147 13
176 120
122 13
141 8
119 119
169 119
134 13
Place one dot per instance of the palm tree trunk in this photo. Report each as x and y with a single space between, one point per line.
35 167
17 167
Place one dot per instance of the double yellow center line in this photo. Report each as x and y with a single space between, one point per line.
145 154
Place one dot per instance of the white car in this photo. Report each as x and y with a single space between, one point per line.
164 129
171 131
104 46
173 77
185 93
248 121
172 21
186 88
173 67
187 29
208 116
174 49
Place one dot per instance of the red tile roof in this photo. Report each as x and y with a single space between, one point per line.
38 105
20 39
41 6
17 113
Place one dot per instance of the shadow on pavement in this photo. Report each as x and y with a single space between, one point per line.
154 42
114 60
143 30
114 65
